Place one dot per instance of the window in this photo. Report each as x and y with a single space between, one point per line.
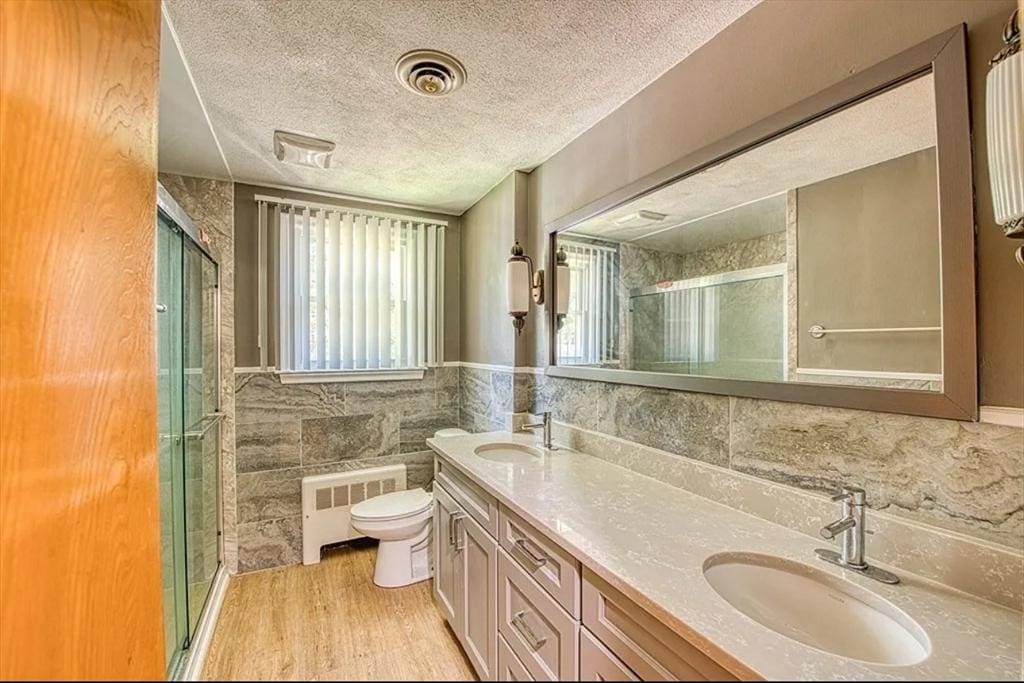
590 332
358 291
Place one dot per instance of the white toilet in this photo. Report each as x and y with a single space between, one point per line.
401 521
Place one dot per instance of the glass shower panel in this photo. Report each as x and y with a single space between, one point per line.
170 432
719 326
202 429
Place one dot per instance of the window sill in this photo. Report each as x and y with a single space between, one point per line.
369 375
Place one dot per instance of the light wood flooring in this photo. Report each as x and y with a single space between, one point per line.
330 622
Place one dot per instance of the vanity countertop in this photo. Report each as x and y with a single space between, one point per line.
650 540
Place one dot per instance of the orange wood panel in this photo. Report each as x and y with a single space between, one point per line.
80 585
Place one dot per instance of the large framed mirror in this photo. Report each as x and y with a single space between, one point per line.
825 255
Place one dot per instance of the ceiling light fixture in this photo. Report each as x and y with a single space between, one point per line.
295 148
430 72
639 219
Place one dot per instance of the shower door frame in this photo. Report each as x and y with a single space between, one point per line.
173 212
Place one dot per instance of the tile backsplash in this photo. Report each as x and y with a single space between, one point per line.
966 477
289 431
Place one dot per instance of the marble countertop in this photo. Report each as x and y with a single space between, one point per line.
650 541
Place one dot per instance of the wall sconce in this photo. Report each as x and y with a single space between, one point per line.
520 278
1004 105
561 286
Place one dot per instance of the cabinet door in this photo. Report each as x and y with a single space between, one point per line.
477 568
447 589
597 663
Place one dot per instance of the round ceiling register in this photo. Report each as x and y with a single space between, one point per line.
430 72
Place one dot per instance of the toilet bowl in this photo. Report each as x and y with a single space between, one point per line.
401 521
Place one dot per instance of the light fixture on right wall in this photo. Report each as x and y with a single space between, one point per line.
1004 106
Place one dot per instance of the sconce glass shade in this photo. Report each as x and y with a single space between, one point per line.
1005 122
517 286
562 286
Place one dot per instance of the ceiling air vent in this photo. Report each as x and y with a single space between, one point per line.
295 148
430 72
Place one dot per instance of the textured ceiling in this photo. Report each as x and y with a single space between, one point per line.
540 72
897 122
187 145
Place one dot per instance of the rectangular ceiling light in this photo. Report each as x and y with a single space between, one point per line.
303 150
639 219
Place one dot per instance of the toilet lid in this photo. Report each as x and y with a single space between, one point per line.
450 431
393 505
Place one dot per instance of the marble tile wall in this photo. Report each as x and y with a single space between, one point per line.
962 477
211 205
289 431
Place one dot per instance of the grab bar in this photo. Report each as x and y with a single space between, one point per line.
817 331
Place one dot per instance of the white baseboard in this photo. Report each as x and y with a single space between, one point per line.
196 653
1011 417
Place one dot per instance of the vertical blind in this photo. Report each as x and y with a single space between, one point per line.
591 329
356 289
690 326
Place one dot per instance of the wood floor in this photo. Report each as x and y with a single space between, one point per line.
329 622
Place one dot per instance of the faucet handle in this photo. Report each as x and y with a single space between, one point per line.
854 494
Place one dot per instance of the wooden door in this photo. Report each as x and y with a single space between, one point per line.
478 571
80 589
446 590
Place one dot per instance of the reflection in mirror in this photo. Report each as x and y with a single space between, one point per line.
811 258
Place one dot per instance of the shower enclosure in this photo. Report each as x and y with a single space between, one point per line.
189 424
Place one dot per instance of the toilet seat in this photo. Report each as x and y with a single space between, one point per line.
392 506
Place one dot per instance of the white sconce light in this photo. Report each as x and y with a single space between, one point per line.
1005 132
520 279
561 286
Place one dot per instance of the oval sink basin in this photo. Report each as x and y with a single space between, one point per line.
512 453
817 608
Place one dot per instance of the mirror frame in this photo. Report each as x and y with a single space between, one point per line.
945 56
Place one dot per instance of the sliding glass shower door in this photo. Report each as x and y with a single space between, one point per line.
188 371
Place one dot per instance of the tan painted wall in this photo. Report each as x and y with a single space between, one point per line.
489 228
868 256
777 54
247 271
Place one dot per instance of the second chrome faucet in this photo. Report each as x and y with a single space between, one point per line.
545 424
849 529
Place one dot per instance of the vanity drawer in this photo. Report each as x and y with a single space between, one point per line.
479 504
644 644
597 663
553 568
509 666
537 629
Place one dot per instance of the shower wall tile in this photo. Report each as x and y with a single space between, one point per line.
948 475
349 437
291 431
267 445
261 397
961 476
272 543
413 431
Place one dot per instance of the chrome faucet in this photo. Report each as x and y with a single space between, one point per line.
850 530
546 425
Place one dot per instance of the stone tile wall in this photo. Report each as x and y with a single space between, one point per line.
289 431
959 476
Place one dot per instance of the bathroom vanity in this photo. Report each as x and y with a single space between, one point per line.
557 565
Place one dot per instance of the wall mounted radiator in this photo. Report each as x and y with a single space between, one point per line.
327 500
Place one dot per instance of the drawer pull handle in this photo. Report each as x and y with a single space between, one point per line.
519 622
453 518
538 561
460 532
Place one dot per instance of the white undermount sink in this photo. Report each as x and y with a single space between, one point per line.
512 453
817 608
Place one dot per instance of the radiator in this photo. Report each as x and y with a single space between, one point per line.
328 498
